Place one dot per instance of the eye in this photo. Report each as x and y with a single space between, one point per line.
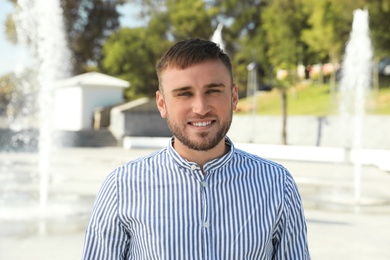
213 90
184 94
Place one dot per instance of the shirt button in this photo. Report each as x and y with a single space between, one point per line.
193 167
206 224
204 184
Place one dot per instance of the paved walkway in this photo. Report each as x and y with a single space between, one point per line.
337 228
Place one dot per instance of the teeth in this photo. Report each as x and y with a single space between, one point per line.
202 123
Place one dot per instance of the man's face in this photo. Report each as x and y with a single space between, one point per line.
198 103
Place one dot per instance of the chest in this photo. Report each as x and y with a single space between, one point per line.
211 218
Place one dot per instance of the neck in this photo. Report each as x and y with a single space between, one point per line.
201 157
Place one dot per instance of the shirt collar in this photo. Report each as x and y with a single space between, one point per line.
211 165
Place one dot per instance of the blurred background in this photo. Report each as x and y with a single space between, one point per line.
77 87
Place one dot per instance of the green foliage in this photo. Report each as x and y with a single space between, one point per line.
379 12
10 30
252 49
131 54
285 48
272 33
189 19
87 24
244 15
330 25
244 37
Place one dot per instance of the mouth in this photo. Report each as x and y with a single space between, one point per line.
201 124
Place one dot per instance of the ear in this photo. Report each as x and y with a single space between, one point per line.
234 97
161 104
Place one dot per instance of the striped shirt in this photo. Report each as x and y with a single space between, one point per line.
163 207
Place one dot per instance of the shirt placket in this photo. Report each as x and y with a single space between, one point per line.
205 209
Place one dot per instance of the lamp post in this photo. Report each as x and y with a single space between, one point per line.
251 90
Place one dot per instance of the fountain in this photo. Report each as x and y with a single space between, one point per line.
217 36
39 26
354 86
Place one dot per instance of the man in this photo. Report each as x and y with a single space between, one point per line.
200 197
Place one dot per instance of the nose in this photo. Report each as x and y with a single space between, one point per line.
201 105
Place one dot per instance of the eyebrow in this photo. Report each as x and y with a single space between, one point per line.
211 85
214 85
181 89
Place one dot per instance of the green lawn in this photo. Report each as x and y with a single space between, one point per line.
311 100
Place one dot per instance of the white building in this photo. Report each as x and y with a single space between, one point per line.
77 98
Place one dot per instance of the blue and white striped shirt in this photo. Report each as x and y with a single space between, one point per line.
162 207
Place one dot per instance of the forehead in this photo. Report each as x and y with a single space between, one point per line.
203 72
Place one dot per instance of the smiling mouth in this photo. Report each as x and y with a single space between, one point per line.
201 124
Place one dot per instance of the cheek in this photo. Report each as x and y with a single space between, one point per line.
225 104
178 112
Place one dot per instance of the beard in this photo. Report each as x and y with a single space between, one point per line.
208 140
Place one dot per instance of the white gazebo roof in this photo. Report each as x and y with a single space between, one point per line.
95 79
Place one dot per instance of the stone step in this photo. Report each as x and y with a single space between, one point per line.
85 138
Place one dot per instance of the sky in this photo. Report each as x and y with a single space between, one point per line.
13 57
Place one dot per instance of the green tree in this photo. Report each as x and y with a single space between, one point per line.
379 17
244 16
244 36
285 48
186 18
251 49
330 26
189 19
379 12
87 23
131 54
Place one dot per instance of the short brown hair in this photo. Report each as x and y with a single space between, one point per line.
190 52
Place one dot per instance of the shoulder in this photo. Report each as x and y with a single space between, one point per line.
262 169
271 172
255 161
142 164
153 157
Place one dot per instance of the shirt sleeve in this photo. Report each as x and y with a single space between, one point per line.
291 241
106 237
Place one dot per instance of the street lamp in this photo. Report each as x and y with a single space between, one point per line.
251 90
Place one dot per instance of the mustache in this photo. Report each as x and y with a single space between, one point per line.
200 117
